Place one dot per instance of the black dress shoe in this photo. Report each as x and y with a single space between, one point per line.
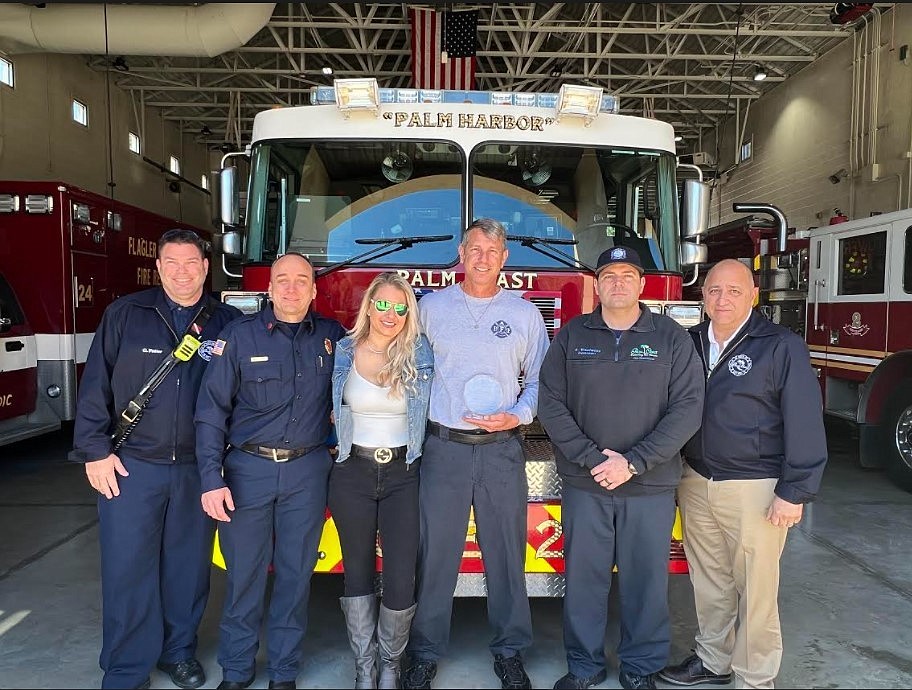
188 674
632 681
235 684
418 675
282 685
511 672
572 682
691 671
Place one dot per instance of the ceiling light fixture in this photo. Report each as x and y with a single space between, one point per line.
327 71
679 137
759 73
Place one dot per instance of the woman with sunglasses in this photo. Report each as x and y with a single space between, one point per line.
381 387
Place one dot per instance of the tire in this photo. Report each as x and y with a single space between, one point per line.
898 436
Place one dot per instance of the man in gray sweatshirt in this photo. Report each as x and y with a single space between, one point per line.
621 393
483 339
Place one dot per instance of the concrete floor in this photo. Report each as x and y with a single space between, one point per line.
846 596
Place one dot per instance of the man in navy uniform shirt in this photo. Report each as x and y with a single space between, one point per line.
267 395
156 542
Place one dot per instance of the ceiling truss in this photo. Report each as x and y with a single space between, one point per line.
690 64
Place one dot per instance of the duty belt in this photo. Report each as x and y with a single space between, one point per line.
472 437
381 455
276 454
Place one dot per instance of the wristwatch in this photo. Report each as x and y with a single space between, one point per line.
632 469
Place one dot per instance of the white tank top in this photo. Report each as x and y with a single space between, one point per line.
378 419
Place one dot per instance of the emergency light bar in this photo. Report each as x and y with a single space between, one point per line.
574 99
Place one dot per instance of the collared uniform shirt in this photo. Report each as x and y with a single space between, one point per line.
268 384
716 348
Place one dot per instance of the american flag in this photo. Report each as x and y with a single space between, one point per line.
432 33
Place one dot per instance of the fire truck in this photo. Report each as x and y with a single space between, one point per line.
366 180
65 255
847 288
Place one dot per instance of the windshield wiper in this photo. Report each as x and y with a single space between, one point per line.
543 246
385 245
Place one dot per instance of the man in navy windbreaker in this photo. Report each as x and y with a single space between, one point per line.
758 458
156 541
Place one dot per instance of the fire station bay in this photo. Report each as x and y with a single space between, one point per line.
175 504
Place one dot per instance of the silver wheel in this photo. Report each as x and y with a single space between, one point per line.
903 436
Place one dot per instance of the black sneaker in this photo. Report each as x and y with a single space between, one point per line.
632 681
572 682
511 672
419 675
691 671
188 674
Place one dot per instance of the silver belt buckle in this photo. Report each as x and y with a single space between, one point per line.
383 455
275 457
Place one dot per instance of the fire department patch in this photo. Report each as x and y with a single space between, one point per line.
739 365
501 329
327 344
218 348
205 349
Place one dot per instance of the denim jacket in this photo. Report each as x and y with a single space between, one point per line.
416 401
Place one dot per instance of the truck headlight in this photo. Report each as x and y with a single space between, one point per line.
685 314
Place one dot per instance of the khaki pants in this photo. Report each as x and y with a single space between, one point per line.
733 554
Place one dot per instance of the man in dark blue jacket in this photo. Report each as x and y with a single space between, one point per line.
621 392
758 458
267 397
156 542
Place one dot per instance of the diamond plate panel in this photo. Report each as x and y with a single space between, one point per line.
537 585
544 482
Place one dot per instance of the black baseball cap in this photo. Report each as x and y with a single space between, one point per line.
619 255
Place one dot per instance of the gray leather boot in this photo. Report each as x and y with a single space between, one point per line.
392 636
361 622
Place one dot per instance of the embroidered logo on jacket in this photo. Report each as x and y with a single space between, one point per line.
739 365
643 352
205 349
501 329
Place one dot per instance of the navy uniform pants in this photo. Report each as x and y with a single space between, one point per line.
156 551
455 477
601 530
278 518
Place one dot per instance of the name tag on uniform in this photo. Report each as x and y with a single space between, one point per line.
259 359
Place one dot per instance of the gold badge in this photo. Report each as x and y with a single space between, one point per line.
327 343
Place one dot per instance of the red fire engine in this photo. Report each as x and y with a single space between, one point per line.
847 287
367 179
65 254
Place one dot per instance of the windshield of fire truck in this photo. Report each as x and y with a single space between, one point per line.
320 197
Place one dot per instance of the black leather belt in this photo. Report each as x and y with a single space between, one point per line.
379 455
276 454
472 437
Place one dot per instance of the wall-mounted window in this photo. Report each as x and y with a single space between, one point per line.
6 72
747 150
134 142
80 113
174 166
204 181
863 264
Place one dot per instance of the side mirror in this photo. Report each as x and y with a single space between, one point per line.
229 201
695 208
693 254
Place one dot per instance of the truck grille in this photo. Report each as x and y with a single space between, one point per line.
549 304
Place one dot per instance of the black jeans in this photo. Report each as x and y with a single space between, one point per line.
364 497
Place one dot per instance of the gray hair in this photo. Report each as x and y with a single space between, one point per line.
491 229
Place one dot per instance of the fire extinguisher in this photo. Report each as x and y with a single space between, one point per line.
838 217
